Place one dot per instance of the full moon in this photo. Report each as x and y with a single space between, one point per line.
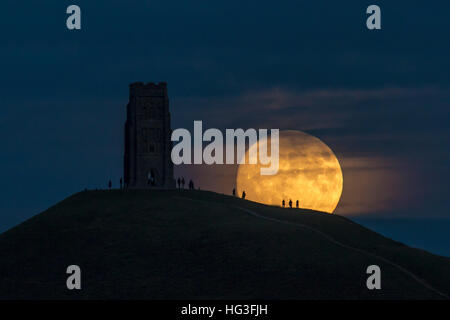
308 172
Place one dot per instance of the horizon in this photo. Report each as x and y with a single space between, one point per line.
377 98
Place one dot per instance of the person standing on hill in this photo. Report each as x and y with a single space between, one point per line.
109 184
179 183
152 179
243 194
296 204
182 182
290 203
283 203
234 192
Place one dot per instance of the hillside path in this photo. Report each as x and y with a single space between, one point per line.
336 242
367 253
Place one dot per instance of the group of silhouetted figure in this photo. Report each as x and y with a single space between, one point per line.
283 203
181 182
243 193
120 184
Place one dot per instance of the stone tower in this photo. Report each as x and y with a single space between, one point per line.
147 161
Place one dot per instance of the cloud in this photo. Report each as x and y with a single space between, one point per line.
390 141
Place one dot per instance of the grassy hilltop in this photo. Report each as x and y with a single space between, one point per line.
196 244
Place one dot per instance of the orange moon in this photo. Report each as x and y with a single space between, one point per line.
308 172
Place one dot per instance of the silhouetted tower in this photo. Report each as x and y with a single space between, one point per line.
147 137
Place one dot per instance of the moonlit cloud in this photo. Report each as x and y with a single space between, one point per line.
377 135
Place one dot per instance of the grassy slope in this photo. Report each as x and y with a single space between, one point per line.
196 244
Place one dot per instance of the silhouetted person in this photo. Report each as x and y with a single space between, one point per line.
290 203
109 184
296 204
243 194
283 203
152 178
234 192
182 182
179 182
120 183
191 185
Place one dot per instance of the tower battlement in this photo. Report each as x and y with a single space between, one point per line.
150 89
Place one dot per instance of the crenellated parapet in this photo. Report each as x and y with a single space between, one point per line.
150 89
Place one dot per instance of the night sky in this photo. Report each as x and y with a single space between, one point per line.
379 99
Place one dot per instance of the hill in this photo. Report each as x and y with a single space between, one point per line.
183 244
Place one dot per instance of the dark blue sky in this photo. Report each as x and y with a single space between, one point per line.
379 99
